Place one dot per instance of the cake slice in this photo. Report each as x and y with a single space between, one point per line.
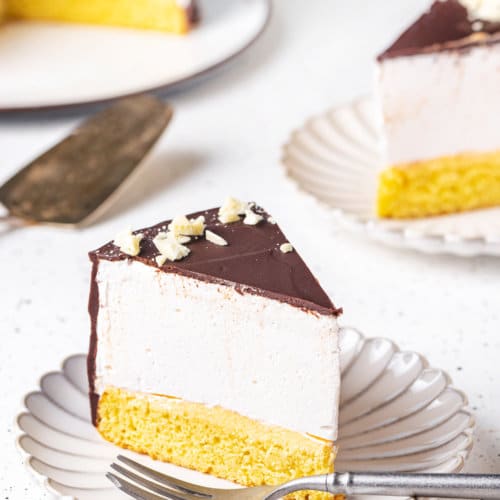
439 93
175 16
213 347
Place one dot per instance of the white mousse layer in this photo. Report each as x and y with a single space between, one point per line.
441 104
167 334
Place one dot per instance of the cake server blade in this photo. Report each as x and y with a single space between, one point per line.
70 182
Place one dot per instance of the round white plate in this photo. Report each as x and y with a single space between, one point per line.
46 65
396 414
335 157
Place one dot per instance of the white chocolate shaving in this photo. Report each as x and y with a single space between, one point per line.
128 242
286 248
227 217
181 225
179 238
215 238
231 209
170 247
161 259
251 218
486 10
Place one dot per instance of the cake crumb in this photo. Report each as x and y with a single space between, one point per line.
286 248
128 242
251 218
231 210
181 225
215 238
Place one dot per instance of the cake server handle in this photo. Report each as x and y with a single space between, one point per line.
389 484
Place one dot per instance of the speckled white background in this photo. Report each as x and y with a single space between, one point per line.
226 139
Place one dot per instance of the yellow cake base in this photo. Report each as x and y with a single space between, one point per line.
212 440
440 186
164 15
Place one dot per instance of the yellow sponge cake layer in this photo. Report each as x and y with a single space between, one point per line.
212 440
164 15
440 186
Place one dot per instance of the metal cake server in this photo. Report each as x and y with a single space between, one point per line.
70 182
148 484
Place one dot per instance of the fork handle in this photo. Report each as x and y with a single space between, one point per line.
425 485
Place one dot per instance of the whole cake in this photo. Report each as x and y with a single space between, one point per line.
439 90
213 347
175 16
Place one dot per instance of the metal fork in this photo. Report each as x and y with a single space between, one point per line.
153 485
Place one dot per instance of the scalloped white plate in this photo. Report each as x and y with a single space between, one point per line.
335 158
396 414
49 65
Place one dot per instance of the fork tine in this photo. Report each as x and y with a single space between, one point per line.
169 481
150 485
132 490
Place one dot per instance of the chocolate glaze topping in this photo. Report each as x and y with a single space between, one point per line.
252 262
445 26
193 12
91 357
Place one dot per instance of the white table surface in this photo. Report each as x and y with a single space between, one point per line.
226 139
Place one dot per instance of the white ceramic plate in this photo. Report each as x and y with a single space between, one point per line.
46 65
396 414
335 157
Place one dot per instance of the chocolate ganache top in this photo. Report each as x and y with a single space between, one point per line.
446 26
252 261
